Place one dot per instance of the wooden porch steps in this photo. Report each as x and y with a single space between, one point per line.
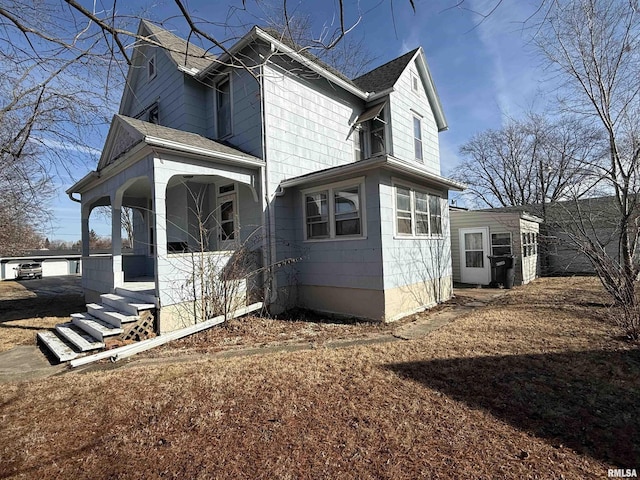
110 314
125 304
94 326
80 339
118 314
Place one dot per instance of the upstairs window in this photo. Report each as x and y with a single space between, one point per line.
335 211
223 108
358 143
417 137
418 213
378 126
373 131
152 116
151 67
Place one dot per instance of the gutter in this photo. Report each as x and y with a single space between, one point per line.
171 145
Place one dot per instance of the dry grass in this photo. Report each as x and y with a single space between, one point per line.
22 314
534 386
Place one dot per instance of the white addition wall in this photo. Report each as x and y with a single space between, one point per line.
404 105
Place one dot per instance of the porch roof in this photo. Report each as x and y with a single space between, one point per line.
388 162
154 134
129 137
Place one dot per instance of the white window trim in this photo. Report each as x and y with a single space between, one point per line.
152 61
413 188
491 245
415 80
329 188
415 153
226 78
220 198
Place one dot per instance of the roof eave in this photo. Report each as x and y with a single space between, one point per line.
277 45
383 161
203 152
432 92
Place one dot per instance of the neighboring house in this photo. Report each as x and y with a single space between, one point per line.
478 234
341 176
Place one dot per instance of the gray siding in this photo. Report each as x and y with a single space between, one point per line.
308 130
411 260
405 104
167 88
246 117
349 263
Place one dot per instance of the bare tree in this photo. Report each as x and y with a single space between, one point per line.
595 49
532 161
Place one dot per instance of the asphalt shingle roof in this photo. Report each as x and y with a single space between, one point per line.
385 76
181 52
180 136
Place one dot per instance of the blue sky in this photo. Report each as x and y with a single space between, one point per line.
484 70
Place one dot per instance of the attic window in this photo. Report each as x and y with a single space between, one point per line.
415 83
151 67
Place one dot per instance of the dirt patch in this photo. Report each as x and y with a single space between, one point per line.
523 388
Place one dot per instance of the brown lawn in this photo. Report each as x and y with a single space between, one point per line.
22 314
537 385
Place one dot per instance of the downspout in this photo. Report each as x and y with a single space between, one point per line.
270 223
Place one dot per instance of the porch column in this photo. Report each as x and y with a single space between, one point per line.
84 226
116 243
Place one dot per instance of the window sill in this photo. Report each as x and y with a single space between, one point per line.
335 239
418 237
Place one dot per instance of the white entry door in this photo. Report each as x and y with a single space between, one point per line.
474 249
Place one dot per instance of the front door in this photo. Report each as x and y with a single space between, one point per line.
474 249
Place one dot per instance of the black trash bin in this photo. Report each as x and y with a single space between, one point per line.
499 265
510 276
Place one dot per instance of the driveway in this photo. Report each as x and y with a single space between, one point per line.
52 286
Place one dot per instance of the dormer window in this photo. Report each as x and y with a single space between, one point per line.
151 67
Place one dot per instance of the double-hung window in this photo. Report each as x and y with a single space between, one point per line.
223 108
334 211
418 213
417 137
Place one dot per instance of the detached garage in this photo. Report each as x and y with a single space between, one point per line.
53 263
477 235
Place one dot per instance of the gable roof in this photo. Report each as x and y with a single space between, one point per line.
183 53
126 132
385 76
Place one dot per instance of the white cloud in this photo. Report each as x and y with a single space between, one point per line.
68 146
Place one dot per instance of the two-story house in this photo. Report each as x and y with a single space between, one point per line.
342 176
